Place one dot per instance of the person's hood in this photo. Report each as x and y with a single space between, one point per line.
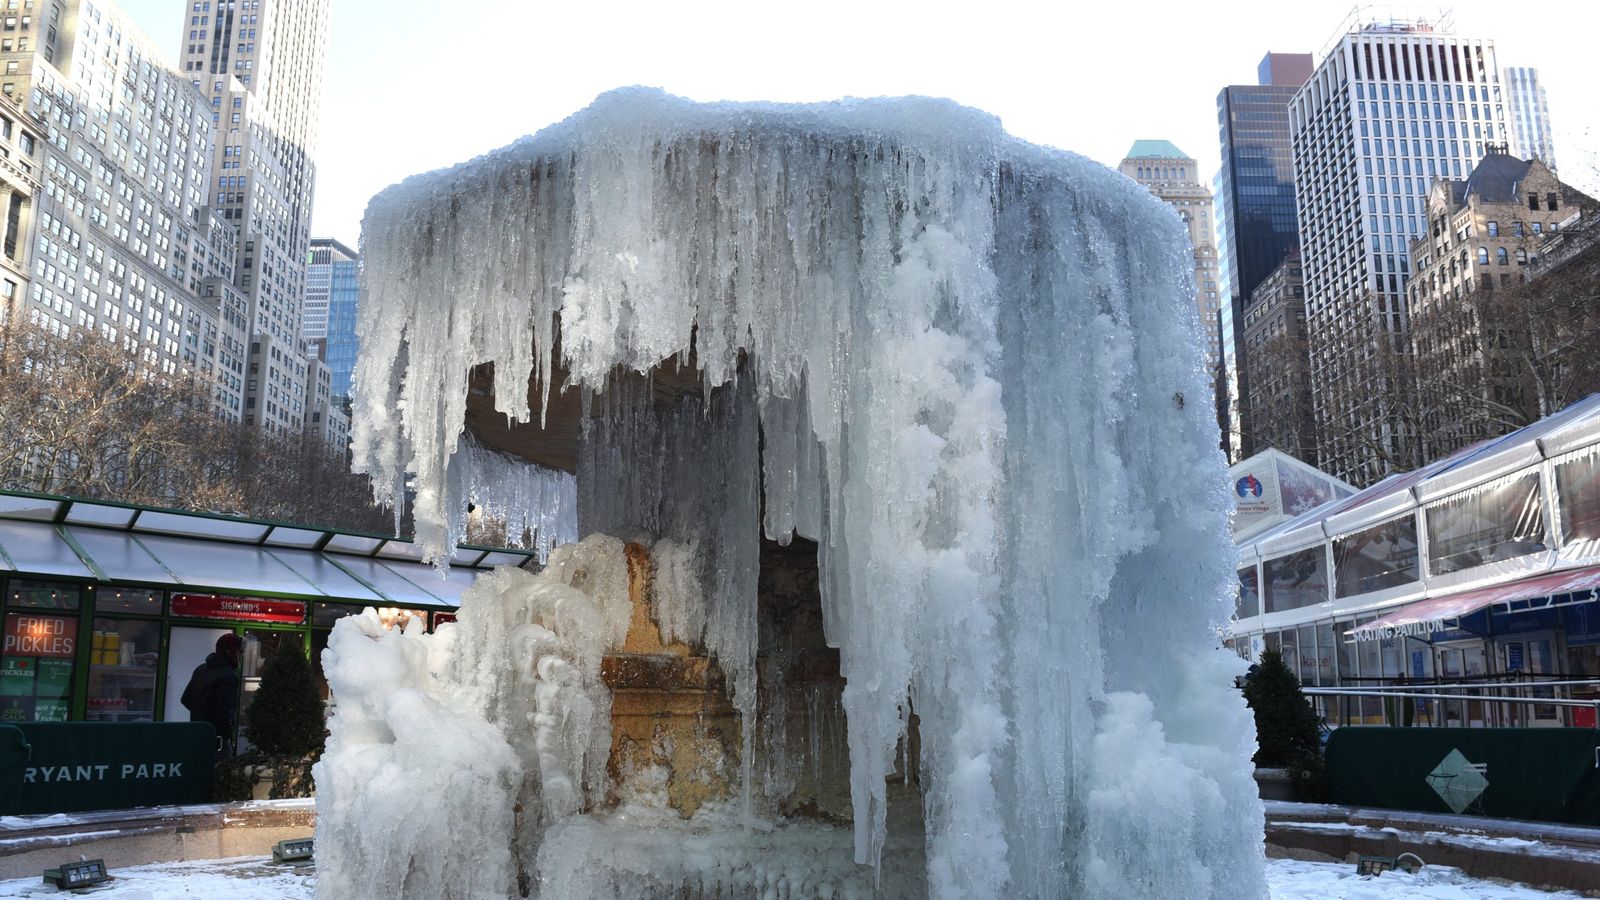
217 659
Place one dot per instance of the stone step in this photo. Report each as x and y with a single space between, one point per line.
1551 856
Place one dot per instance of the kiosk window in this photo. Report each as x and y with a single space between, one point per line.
42 594
123 656
125 600
36 667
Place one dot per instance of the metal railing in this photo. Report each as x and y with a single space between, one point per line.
1444 705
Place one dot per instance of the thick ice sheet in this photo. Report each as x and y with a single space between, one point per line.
976 375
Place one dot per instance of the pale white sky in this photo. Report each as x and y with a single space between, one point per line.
414 87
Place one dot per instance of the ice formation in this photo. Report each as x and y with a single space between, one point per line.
956 361
445 747
538 505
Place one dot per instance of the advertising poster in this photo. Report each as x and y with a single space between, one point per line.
16 709
30 635
16 676
55 678
1255 494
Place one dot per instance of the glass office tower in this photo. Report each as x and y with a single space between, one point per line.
1255 212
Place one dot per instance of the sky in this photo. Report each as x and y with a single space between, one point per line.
413 87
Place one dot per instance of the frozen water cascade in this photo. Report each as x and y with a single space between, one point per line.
956 361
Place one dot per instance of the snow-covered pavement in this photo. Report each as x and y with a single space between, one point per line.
254 878
245 878
1294 880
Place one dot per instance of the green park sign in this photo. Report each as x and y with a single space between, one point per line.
51 767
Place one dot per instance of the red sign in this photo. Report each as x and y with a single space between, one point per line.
238 609
28 635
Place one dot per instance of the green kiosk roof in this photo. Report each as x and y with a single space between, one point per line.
51 536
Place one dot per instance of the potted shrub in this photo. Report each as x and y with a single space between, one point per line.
285 723
1288 733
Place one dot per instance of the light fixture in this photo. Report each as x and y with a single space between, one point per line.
296 851
1374 865
73 875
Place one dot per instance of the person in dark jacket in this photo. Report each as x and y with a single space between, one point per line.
213 692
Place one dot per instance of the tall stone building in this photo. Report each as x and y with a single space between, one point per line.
106 191
1277 364
1529 111
1174 177
1468 320
1392 107
1256 226
259 65
19 181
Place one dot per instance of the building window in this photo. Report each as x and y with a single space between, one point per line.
1494 228
1483 256
1502 257
1550 201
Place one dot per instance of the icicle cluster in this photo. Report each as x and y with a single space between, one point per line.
964 361
537 504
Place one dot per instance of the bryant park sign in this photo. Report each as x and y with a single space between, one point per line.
52 767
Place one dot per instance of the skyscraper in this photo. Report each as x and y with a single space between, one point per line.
1529 111
1173 176
259 64
1256 226
1392 106
331 292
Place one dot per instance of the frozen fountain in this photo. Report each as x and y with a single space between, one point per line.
905 524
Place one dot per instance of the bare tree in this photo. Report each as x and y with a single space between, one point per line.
1502 355
1467 384
79 418
1281 414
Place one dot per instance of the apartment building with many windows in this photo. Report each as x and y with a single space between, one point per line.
1277 364
121 146
1467 322
19 181
1392 107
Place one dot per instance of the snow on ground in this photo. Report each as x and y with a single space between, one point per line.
254 878
243 878
1290 879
